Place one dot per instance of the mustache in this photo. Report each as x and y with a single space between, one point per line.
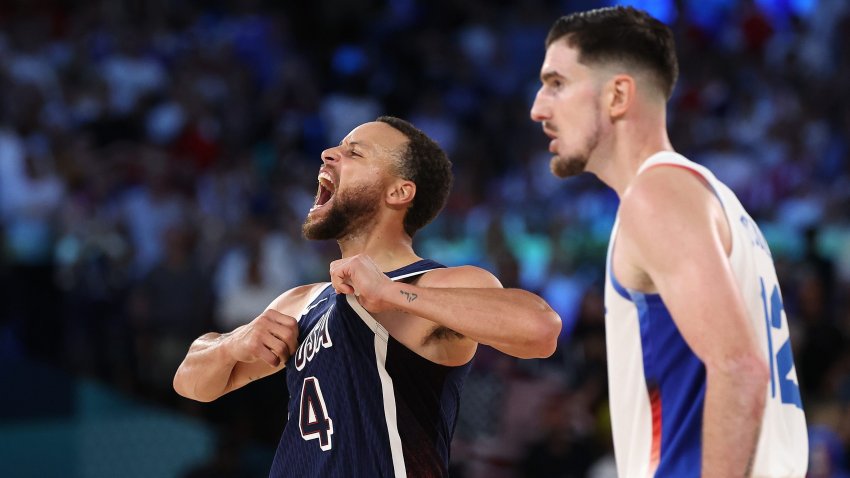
549 127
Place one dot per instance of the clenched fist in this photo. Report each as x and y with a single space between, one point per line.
272 337
359 275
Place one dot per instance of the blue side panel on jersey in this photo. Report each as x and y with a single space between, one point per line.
614 282
680 377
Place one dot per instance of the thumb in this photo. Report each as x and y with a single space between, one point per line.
343 288
340 281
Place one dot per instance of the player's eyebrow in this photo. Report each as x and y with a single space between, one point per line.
549 75
355 143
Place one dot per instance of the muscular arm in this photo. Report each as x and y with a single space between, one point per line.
217 364
467 300
211 367
671 228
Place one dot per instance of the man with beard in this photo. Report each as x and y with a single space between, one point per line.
375 361
701 375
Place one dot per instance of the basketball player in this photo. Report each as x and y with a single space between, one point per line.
701 376
375 361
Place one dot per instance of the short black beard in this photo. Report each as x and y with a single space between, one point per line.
350 212
567 168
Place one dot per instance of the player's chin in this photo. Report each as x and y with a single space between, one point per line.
312 228
564 167
322 227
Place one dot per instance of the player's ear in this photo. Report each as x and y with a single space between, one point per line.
401 193
621 94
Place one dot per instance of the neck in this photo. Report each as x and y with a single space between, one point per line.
390 248
633 142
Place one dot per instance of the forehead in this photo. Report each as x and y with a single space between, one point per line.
562 59
376 137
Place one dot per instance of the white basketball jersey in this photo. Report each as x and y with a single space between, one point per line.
657 384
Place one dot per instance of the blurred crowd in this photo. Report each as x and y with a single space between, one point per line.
157 159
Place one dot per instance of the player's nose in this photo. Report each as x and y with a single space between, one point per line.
330 155
539 110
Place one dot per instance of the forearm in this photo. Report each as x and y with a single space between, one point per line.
205 373
734 406
514 321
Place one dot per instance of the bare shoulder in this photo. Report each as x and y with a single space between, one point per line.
670 219
293 301
461 276
665 196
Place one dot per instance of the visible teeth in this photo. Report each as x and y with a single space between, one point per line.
327 182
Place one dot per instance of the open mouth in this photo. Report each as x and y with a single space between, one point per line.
326 190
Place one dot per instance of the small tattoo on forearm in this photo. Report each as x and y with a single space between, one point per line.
409 295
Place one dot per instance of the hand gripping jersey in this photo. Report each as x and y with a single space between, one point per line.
361 404
656 383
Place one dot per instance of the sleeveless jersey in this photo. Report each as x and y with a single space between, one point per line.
360 402
657 384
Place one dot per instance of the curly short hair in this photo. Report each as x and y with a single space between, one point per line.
621 34
423 162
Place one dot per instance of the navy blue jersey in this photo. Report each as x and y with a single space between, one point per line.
361 404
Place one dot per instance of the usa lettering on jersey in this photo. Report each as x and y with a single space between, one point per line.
317 339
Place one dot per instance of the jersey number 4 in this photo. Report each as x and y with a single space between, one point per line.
789 391
314 421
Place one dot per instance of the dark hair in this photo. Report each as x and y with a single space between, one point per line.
621 34
426 164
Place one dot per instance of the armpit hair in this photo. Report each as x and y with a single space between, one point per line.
442 333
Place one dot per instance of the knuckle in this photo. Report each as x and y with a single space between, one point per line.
256 343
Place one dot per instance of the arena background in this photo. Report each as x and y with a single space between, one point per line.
157 158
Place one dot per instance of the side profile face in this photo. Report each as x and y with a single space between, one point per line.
353 180
568 106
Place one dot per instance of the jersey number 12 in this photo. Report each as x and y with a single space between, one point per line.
314 421
789 391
